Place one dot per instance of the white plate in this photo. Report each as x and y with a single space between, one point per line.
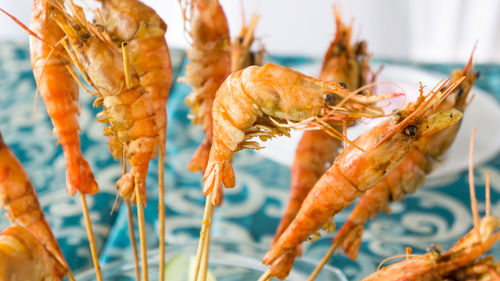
483 113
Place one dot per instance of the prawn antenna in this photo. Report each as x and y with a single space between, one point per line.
421 108
469 63
406 255
32 33
472 190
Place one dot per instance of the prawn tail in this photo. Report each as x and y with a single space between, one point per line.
218 171
283 265
79 177
350 234
199 160
41 229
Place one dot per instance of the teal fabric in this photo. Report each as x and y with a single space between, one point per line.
438 214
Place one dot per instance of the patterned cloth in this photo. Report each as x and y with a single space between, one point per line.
438 213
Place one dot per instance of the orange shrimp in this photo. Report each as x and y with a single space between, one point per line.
345 63
140 26
410 175
434 265
454 263
241 55
23 257
481 269
356 170
128 110
59 91
259 101
210 64
19 198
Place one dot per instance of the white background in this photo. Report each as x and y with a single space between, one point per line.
422 30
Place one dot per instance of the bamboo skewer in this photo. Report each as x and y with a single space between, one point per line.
323 261
90 234
140 206
142 232
204 257
205 227
265 276
70 275
130 220
161 211
329 254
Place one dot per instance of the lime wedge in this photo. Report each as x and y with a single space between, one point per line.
192 265
181 268
176 268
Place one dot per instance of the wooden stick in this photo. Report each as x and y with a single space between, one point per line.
473 203
70 275
140 206
161 211
142 232
323 261
205 224
130 220
265 276
133 242
204 258
90 234
329 254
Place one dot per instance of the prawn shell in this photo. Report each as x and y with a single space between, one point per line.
20 250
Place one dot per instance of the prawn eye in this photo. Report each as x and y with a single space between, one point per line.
343 84
410 131
330 99
434 248
99 27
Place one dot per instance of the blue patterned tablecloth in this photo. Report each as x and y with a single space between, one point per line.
438 213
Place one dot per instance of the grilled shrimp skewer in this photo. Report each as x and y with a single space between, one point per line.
129 112
144 31
434 265
127 106
252 103
258 101
344 63
460 258
210 64
19 198
410 175
59 91
355 171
